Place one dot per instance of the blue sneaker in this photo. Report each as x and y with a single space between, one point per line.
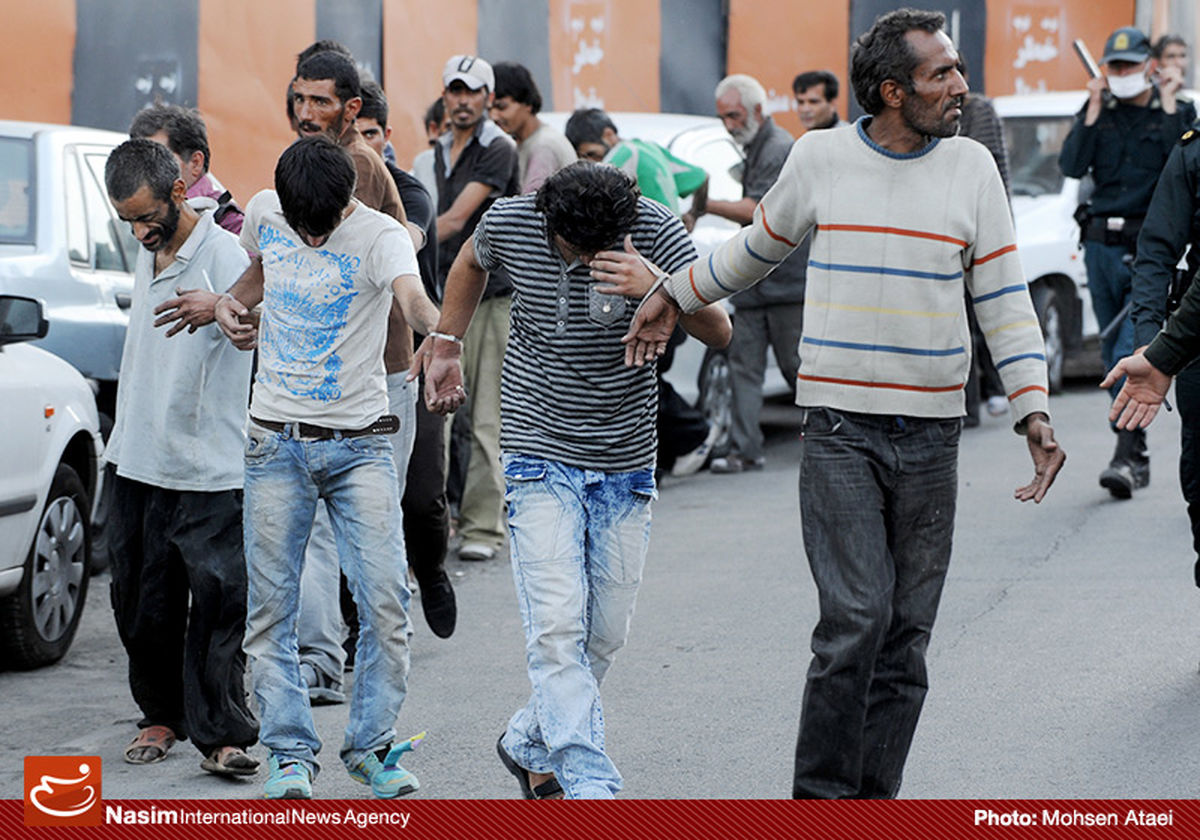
387 778
288 781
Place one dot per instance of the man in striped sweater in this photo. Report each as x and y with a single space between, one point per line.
904 215
577 435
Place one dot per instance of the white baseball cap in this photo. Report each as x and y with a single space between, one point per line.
474 72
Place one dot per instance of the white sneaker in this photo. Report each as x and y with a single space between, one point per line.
997 406
476 551
693 461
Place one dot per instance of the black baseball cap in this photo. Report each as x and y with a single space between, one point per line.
1126 44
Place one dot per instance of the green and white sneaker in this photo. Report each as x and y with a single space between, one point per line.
288 781
382 771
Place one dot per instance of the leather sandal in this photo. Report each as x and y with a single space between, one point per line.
230 761
549 789
157 738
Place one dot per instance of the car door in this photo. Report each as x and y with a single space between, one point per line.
100 251
23 450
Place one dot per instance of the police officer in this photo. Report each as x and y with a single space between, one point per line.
1172 223
1122 137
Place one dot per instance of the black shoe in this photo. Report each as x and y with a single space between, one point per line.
1118 479
1141 474
439 605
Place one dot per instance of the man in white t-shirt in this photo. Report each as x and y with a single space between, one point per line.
325 268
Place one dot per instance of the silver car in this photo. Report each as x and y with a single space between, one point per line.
61 243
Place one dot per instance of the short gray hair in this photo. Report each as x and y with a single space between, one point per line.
749 90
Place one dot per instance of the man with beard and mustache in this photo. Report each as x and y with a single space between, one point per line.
475 163
905 218
772 312
175 466
326 96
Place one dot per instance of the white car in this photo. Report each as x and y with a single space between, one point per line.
50 473
1043 203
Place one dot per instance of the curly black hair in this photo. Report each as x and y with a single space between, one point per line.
590 205
883 53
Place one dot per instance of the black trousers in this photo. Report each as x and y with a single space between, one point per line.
1187 393
186 665
426 513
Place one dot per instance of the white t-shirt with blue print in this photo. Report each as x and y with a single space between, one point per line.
324 315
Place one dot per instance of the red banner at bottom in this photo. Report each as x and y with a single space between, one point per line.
627 818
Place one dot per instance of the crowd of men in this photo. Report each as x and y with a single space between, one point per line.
534 282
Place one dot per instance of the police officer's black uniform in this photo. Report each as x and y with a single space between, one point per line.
1124 151
1173 222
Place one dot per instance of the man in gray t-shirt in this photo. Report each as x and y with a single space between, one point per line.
175 475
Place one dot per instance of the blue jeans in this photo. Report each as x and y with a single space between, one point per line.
877 497
357 479
1110 280
321 628
578 542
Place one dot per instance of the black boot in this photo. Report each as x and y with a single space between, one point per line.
1140 459
1118 477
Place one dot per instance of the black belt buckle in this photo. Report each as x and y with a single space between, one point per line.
388 424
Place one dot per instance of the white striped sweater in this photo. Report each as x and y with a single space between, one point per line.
895 238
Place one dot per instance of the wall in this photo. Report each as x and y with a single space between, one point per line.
817 38
1029 41
233 59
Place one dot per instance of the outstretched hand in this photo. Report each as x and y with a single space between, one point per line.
444 390
1048 458
1144 390
193 308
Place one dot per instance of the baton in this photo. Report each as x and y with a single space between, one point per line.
1089 63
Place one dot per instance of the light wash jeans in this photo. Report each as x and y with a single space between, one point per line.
321 630
578 542
285 476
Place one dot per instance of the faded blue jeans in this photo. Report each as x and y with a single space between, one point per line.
357 479
578 542
321 628
1110 283
877 498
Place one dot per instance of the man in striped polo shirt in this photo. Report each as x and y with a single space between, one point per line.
577 433
904 216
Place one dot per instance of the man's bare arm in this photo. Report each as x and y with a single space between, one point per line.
455 219
419 311
740 211
438 356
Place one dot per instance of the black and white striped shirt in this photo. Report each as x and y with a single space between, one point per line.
565 392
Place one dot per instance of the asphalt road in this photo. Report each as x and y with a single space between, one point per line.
1063 663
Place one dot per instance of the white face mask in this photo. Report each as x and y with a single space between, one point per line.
1128 87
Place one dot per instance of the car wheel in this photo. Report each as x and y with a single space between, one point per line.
1050 316
38 620
716 397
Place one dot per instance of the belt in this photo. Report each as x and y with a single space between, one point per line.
1114 230
388 424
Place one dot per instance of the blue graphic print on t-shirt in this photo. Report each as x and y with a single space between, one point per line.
308 313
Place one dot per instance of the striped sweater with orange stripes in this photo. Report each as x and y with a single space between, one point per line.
895 239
